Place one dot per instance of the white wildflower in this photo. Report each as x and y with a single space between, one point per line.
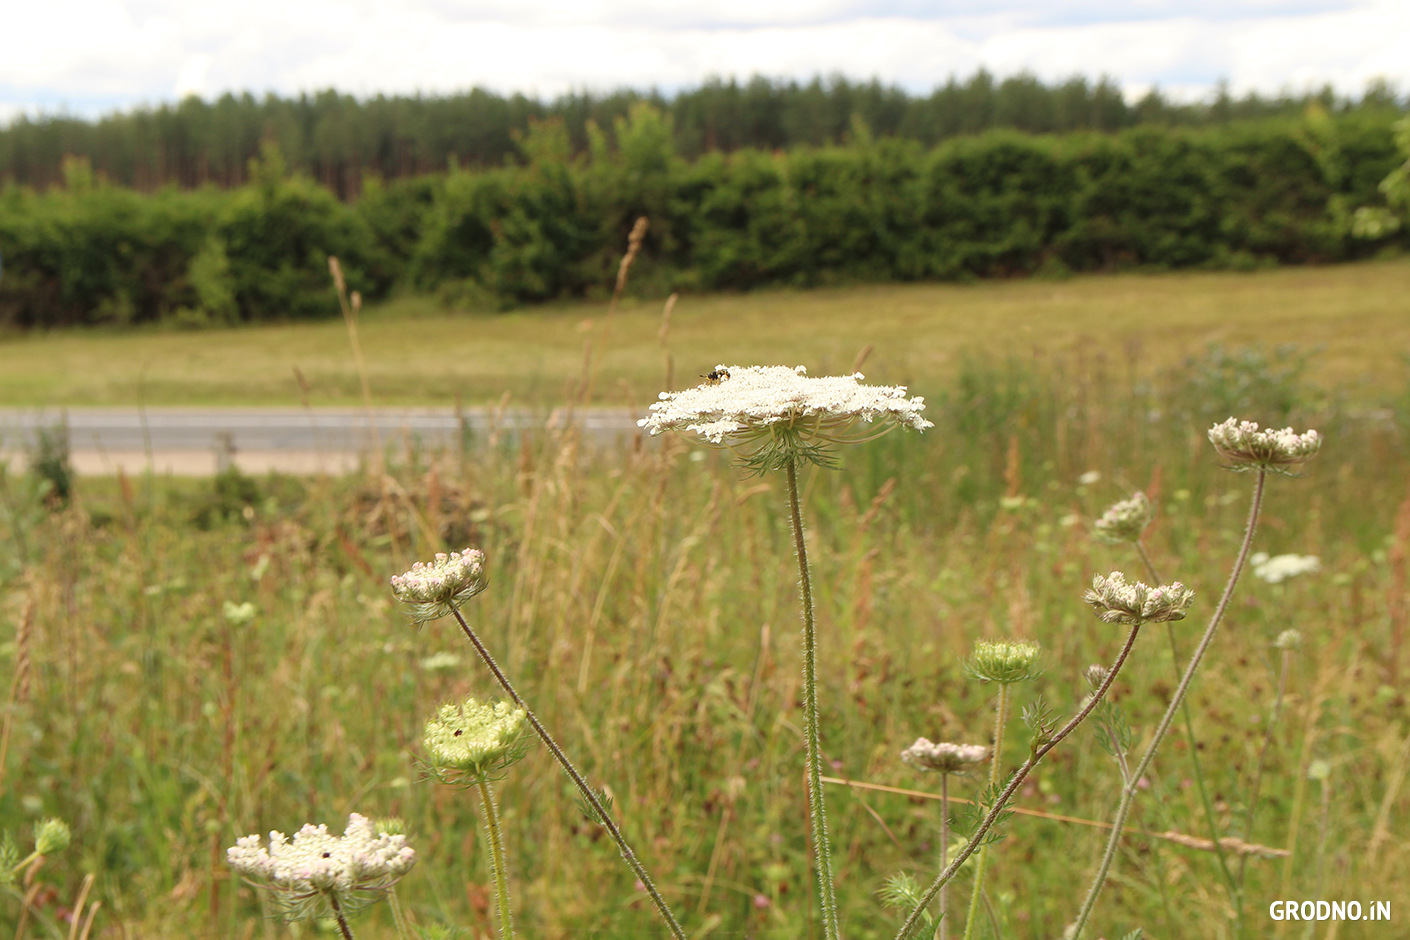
1117 601
944 757
1126 520
431 590
316 873
1279 568
1247 447
764 407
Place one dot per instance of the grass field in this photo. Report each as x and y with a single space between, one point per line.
1357 316
646 601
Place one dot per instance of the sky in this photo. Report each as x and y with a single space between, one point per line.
92 57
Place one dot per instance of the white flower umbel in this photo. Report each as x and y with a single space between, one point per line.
775 418
1126 520
1279 568
429 591
317 874
1116 600
1248 448
769 413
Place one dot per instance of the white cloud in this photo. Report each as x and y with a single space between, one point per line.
100 54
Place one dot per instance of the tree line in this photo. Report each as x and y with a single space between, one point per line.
339 140
553 224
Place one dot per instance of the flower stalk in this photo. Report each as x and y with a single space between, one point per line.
1015 781
817 810
1128 792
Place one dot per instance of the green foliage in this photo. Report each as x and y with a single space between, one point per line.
997 204
49 462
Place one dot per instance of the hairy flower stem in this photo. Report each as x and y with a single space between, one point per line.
817 810
1015 781
944 849
1128 793
497 867
1233 887
1001 714
340 916
578 780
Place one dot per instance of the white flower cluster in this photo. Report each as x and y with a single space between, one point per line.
1243 444
478 738
1279 568
1117 601
431 589
1126 520
756 398
945 758
316 865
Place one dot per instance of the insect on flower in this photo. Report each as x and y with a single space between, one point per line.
715 376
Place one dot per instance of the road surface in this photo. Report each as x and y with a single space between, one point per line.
198 441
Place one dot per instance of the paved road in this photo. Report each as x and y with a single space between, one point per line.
194 440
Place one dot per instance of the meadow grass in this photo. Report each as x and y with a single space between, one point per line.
417 353
643 600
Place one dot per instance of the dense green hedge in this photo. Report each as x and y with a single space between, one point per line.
998 204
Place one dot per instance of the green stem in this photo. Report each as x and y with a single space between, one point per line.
944 849
817 809
1230 884
497 866
579 781
1128 792
1001 713
1014 783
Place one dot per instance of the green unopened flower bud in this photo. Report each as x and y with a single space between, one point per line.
945 758
1247 448
1319 770
1125 521
1003 661
476 740
239 615
50 836
1095 675
1116 601
431 590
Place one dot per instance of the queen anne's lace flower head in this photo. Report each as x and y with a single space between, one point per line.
1117 601
475 740
430 590
1247 448
316 873
1278 568
945 758
1004 661
773 412
1126 520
